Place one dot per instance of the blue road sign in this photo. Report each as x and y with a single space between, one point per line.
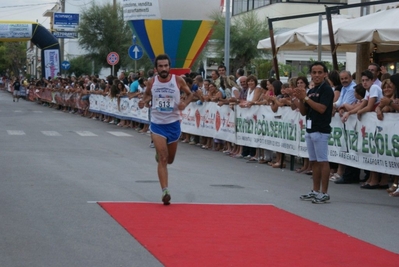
135 52
66 21
65 65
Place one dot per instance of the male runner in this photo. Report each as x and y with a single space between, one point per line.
164 93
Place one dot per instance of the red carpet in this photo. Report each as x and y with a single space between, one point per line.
241 235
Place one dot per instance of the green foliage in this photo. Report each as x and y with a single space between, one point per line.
82 65
12 57
285 69
102 30
245 32
262 68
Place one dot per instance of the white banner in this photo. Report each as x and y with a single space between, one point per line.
126 110
51 62
139 9
260 127
368 144
170 9
15 30
209 120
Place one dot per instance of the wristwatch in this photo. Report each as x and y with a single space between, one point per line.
305 99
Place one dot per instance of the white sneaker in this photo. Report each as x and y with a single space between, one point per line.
309 196
321 198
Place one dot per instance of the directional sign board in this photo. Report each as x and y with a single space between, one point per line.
65 65
135 52
113 58
66 35
66 22
65 25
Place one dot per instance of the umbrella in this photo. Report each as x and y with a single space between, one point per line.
305 37
379 29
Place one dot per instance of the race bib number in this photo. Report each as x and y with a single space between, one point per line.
164 104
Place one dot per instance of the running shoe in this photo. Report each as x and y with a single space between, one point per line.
309 196
166 197
321 198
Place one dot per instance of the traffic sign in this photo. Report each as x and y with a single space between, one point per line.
113 58
65 65
135 52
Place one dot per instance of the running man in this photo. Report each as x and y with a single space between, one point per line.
164 93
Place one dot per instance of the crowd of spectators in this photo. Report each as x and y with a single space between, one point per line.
370 95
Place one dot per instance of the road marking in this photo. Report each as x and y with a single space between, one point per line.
120 134
51 133
85 133
15 132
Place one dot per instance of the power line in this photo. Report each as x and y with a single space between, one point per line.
42 4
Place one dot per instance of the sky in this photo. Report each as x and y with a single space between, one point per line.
33 10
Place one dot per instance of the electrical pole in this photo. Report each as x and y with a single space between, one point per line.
227 38
62 39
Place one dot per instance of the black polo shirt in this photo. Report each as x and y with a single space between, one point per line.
322 94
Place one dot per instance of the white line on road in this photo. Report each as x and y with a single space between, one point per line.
121 134
51 133
10 132
85 133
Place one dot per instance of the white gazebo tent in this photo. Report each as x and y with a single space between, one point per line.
296 39
380 29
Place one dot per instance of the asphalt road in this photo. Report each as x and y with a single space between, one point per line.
55 166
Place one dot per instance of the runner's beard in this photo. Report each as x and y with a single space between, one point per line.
164 74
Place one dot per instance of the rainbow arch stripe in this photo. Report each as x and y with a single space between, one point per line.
182 40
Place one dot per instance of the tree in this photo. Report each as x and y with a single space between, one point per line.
12 57
82 65
245 32
102 30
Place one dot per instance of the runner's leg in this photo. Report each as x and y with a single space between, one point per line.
162 150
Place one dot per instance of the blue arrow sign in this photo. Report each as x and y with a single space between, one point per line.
65 65
135 52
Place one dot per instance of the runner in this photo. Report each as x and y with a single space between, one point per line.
15 93
164 92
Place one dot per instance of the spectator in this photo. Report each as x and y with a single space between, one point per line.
333 79
317 105
372 97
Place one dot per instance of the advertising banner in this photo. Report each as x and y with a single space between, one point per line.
15 31
209 120
260 127
125 108
139 9
51 62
